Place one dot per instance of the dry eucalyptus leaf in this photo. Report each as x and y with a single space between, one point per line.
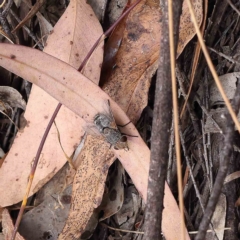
218 219
228 82
88 186
91 102
8 226
10 98
99 8
126 217
113 198
186 28
46 220
62 85
137 57
67 44
232 177
217 104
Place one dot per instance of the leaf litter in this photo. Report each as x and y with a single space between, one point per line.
91 149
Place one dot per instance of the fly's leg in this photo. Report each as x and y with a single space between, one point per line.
124 134
124 124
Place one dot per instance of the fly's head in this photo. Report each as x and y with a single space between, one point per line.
122 144
115 138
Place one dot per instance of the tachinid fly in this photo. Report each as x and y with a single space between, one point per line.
106 125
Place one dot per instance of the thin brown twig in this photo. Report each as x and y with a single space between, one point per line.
162 115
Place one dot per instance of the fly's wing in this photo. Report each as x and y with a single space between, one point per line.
91 129
109 114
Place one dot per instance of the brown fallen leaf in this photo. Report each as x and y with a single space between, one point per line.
232 177
8 226
218 219
186 28
10 98
128 84
137 58
113 199
217 105
47 219
66 44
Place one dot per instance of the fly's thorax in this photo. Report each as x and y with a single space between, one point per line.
112 135
102 121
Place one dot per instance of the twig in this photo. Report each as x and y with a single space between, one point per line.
230 59
162 115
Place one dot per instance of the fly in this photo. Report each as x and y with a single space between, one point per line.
106 125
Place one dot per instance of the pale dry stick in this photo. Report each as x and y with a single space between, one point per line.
209 149
175 117
205 155
230 59
216 230
121 230
207 113
136 232
170 153
210 157
211 67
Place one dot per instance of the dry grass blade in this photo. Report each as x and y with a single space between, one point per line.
195 60
30 14
176 116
